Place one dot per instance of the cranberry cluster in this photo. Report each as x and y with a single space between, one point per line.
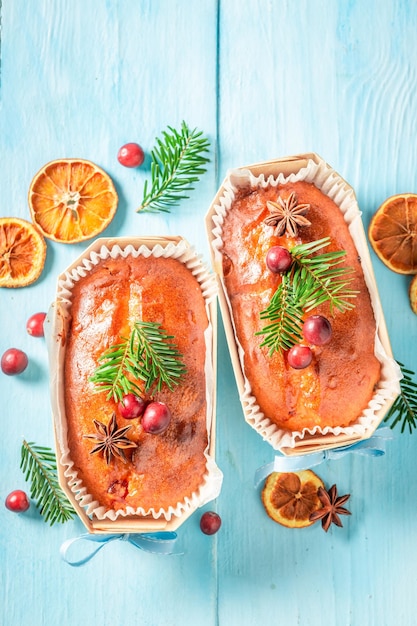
155 416
15 361
317 329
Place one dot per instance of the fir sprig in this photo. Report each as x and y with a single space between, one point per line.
177 163
311 280
318 278
38 463
285 316
404 409
148 355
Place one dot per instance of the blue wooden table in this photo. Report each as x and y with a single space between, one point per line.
262 79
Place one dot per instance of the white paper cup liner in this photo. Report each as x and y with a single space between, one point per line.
58 318
331 184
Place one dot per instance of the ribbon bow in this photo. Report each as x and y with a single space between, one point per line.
157 543
374 446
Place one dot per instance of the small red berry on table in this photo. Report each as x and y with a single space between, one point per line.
13 361
34 325
131 155
17 501
210 522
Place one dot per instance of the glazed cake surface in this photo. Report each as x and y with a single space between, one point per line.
340 381
163 469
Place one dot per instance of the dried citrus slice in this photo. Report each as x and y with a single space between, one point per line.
72 200
290 498
22 252
393 233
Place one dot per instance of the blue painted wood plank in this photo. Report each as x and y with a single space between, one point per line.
79 79
338 79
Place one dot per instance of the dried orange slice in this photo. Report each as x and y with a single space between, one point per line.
72 200
290 498
393 233
22 252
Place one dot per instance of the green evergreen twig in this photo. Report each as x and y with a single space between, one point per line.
38 463
318 278
177 162
404 409
148 355
285 316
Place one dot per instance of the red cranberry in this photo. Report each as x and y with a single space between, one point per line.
131 155
17 501
278 259
299 357
156 418
34 325
317 330
210 522
14 361
131 406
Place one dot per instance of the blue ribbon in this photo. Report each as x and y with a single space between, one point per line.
157 543
374 446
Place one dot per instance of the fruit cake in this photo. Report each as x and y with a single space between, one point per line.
123 462
323 372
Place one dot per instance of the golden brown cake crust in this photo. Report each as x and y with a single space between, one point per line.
165 468
339 383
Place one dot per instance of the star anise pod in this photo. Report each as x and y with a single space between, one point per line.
110 440
332 508
287 215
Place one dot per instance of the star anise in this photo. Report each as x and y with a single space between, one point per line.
332 508
110 440
287 215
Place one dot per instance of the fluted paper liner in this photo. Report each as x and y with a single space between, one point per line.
310 168
95 517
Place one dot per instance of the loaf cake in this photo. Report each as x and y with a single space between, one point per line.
340 392
341 378
149 474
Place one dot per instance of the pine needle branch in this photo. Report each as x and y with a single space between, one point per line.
147 357
177 163
39 466
404 409
318 278
285 316
110 375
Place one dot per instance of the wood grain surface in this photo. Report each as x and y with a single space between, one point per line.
263 79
